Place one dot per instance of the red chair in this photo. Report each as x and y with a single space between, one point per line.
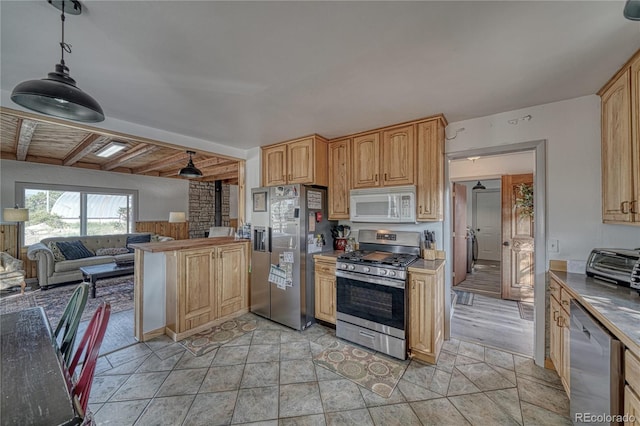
88 351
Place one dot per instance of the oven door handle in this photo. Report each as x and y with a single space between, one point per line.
370 279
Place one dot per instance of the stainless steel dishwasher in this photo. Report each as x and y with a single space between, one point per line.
596 370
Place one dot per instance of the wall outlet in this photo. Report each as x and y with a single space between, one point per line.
552 246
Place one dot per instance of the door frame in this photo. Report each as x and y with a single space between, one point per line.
539 148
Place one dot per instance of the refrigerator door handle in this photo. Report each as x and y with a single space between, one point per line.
270 235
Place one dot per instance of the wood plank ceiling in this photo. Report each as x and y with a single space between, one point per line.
25 137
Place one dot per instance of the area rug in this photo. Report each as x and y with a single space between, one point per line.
464 297
526 310
377 374
214 337
117 291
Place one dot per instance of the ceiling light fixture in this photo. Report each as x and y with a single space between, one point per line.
632 10
110 149
479 186
57 95
190 171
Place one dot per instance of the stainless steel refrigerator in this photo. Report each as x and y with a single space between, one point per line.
289 225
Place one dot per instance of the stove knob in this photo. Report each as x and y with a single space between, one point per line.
343 266
366 269
392 273
351 267
383 272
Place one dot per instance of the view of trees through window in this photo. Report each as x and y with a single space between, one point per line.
60 213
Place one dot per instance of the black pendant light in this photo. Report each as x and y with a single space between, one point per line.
479 186
190 171
57 94
632 10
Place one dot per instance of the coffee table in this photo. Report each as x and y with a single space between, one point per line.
94 273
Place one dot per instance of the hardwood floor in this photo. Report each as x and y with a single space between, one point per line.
485 279
494 323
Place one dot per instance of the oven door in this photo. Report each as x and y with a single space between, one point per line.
373 299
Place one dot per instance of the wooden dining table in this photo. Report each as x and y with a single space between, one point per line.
34 388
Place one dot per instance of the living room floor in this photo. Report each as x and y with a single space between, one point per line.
268 376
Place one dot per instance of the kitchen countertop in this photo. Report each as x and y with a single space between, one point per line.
194 243
331 256
618 308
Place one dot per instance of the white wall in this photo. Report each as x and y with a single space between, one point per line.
156 196
252 178
572 131
491 167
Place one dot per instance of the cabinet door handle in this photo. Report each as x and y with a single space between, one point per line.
634 203
565 302
385 177
553 287
376 177
420 209
554 315
622 210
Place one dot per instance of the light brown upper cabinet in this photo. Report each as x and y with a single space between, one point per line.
385 158
339 178
430 176
298 161
621 145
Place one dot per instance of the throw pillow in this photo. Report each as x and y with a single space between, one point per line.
74 250
57 254
111 251
134 239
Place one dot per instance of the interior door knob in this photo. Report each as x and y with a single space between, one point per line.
506 244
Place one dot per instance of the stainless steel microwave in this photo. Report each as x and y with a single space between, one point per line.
395 204
621 266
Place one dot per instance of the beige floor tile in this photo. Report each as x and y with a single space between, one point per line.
120 413
535 416
211 409
485 377
479 409
508 400
260 374
300 399
182 382
140 386
297 371
188 360
222 378
460 385
166 411
256 404
543 396
340 395
394 415
499 358
354 417
471 350
311 420
438 412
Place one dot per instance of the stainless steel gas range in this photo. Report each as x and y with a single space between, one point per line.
371 297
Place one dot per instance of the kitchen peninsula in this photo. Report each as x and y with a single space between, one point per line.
185 286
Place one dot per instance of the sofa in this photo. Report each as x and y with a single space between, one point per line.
11 272
54 268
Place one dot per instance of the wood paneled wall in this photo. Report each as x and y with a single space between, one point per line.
179 231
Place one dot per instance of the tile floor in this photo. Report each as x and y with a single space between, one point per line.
268 377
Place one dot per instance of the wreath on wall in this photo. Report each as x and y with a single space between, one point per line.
524 200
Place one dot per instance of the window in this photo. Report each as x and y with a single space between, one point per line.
61 210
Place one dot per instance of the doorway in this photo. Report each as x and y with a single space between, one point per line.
492 299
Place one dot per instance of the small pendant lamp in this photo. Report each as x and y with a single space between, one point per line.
479 186
58 95
632 10
190 171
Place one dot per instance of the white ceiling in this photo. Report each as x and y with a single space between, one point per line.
246 74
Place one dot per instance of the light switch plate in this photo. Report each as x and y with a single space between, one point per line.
553 246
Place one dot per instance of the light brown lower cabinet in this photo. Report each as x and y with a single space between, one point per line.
426 315
559 333
631 407
203 286
325 290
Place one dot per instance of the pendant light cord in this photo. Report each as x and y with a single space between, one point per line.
64 47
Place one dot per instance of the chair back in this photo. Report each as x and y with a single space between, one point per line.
70 320
87 355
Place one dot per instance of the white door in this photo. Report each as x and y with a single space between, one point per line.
486 222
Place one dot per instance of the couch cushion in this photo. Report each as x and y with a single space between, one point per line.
122 258
134 239
111 251
75 265
74 250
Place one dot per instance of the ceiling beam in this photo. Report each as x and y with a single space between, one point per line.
176 158
137 151
25 134
83 148
222 176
